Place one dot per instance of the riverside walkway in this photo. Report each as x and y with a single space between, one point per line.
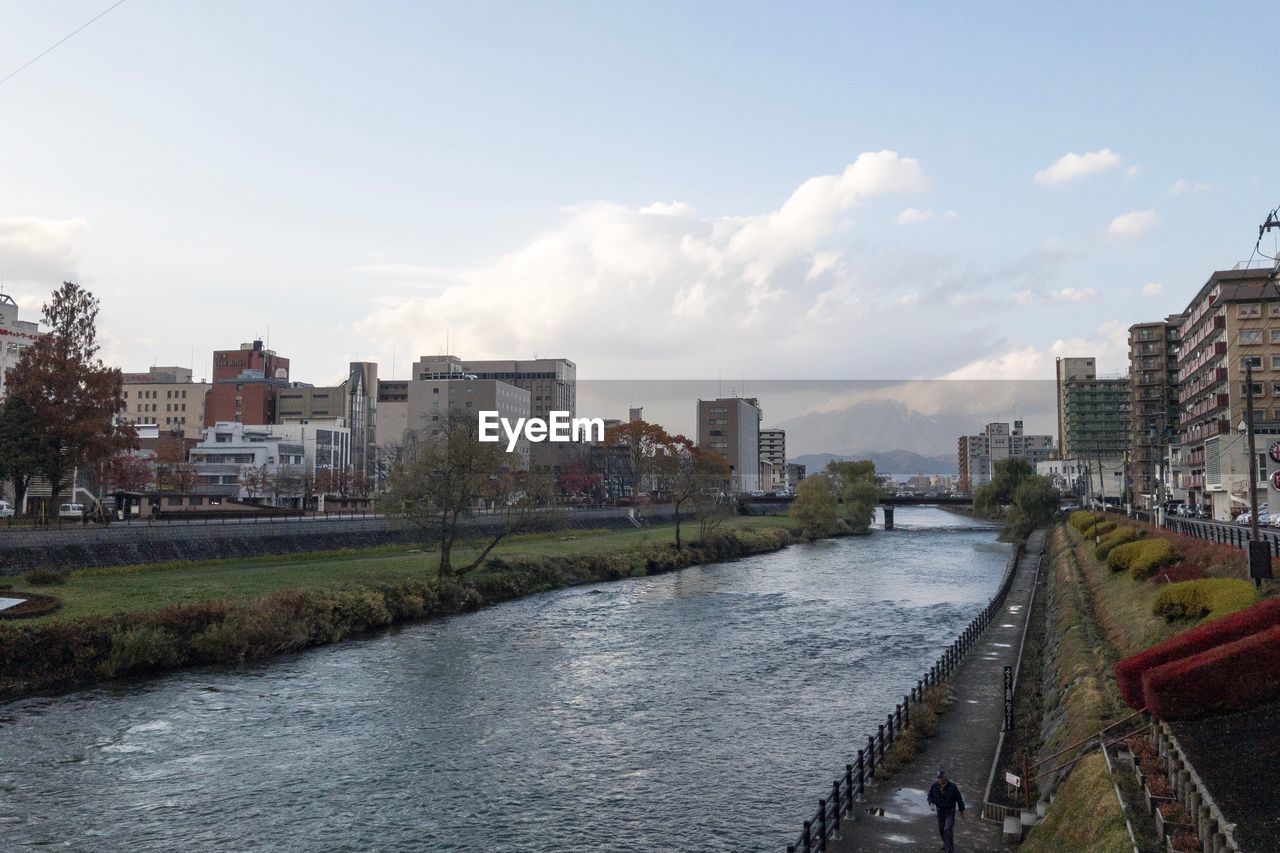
965 745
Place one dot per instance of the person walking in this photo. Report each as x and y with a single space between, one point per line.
945 799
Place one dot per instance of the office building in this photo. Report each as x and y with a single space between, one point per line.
731 427
167 398
422 406
354 400
15 336
552 383
246 383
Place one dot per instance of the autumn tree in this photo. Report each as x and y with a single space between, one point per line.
72 395
127 473
21 445
631 451
437 480
689 476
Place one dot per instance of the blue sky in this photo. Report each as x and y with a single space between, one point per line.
366 178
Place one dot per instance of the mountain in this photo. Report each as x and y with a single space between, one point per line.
877 426
886 462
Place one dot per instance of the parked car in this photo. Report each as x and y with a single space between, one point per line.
75 511
757 493
6 509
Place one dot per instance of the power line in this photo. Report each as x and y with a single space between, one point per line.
50 48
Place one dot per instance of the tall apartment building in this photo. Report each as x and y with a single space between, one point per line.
422 405
354 400
1153 403
246 383
1093 412
1233 321
773 460
977 455
1069 369
731 427
168 398
15 336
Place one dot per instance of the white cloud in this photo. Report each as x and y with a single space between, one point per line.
1070 167
1152 288
1073 294
584 285
1109 345
912 215
1132 171
1182 186
1133 224
1023 296
40 251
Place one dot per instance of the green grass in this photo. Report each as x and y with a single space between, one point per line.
1085 815
109 591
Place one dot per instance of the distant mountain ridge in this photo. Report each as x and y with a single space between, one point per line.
886 462
879 426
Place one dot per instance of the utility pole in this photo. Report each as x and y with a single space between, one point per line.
1253 454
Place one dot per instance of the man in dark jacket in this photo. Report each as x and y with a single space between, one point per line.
944 798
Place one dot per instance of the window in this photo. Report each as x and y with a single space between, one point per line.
1250 337
1273 309
1254 361
1257 388
1275 362
1250 309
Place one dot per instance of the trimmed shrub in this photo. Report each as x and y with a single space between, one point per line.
1230 677
1242 623
1212 597
1119 557
1117 537
1102 528
1152 555
1082 519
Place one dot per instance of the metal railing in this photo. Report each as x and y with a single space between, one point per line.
1237 536
850 787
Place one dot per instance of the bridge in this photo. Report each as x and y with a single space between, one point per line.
890 500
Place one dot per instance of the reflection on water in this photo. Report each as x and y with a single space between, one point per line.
701 710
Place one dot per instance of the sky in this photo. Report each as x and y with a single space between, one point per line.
653 190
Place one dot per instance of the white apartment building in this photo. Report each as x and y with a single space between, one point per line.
15 336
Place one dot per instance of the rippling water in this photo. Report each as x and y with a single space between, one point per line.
700 710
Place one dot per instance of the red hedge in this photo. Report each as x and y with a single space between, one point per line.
1230 677
1228 629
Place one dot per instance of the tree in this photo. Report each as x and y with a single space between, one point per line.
437 479
21 445
255 480
287 482
631 455
72 395
1006 476
127 473
1035 503
816 505
688 474
577 478
859 490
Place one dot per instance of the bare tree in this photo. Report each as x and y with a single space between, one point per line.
688 474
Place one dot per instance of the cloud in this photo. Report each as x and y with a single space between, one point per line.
1109 345
40 251
1182 186
912 215
1152 288
1073 294
654 287
1133 224
1071 167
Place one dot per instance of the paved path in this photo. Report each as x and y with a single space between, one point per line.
966 742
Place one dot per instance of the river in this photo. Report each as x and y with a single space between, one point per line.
706 709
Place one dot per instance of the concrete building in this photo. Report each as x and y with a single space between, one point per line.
731 427
1153 403
267 463
15 336
552 383
773 460
977 455
167 398
354 400
246 383
422 405
1094 414
1068 369
1233 321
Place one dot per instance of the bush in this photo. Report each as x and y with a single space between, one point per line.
1081 519
1229 677
1119 557
1213 597
139 649
1242 623
1102 528
1159 785
1152 555
48 577
1117 537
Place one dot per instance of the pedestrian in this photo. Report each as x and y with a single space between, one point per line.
944 798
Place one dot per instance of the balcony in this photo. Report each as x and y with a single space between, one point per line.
1192 482
1200 433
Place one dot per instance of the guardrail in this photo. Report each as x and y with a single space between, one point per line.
1237 536
850 787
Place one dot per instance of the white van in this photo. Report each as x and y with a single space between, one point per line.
75 511
6 509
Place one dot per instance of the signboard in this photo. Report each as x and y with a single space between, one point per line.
1008 698
1274 451
1013 780
1275 480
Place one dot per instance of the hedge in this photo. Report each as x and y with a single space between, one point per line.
1228 629
1229 677
1081 519
1117 537
1118 558
1153 555
1212 597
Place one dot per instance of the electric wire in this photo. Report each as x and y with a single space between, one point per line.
51 47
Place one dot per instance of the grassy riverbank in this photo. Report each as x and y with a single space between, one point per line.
159 617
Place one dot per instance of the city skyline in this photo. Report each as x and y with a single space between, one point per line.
973 211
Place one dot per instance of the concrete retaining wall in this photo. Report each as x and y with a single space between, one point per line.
131 543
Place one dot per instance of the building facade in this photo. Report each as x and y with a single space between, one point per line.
977 455
1231 325
552 383
1153 403
167 398
270 464
246 384
731 427
422 406
354 400
15 336
1094 415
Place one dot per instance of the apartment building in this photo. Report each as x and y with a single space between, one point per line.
731 427
15 336
1232 323
977 455
1153 403
1093 412
246 383
1067 370
167 398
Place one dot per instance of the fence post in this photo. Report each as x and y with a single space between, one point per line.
835 805
848 784
906 711
807 838
871 756
822 824
862 776
882 741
